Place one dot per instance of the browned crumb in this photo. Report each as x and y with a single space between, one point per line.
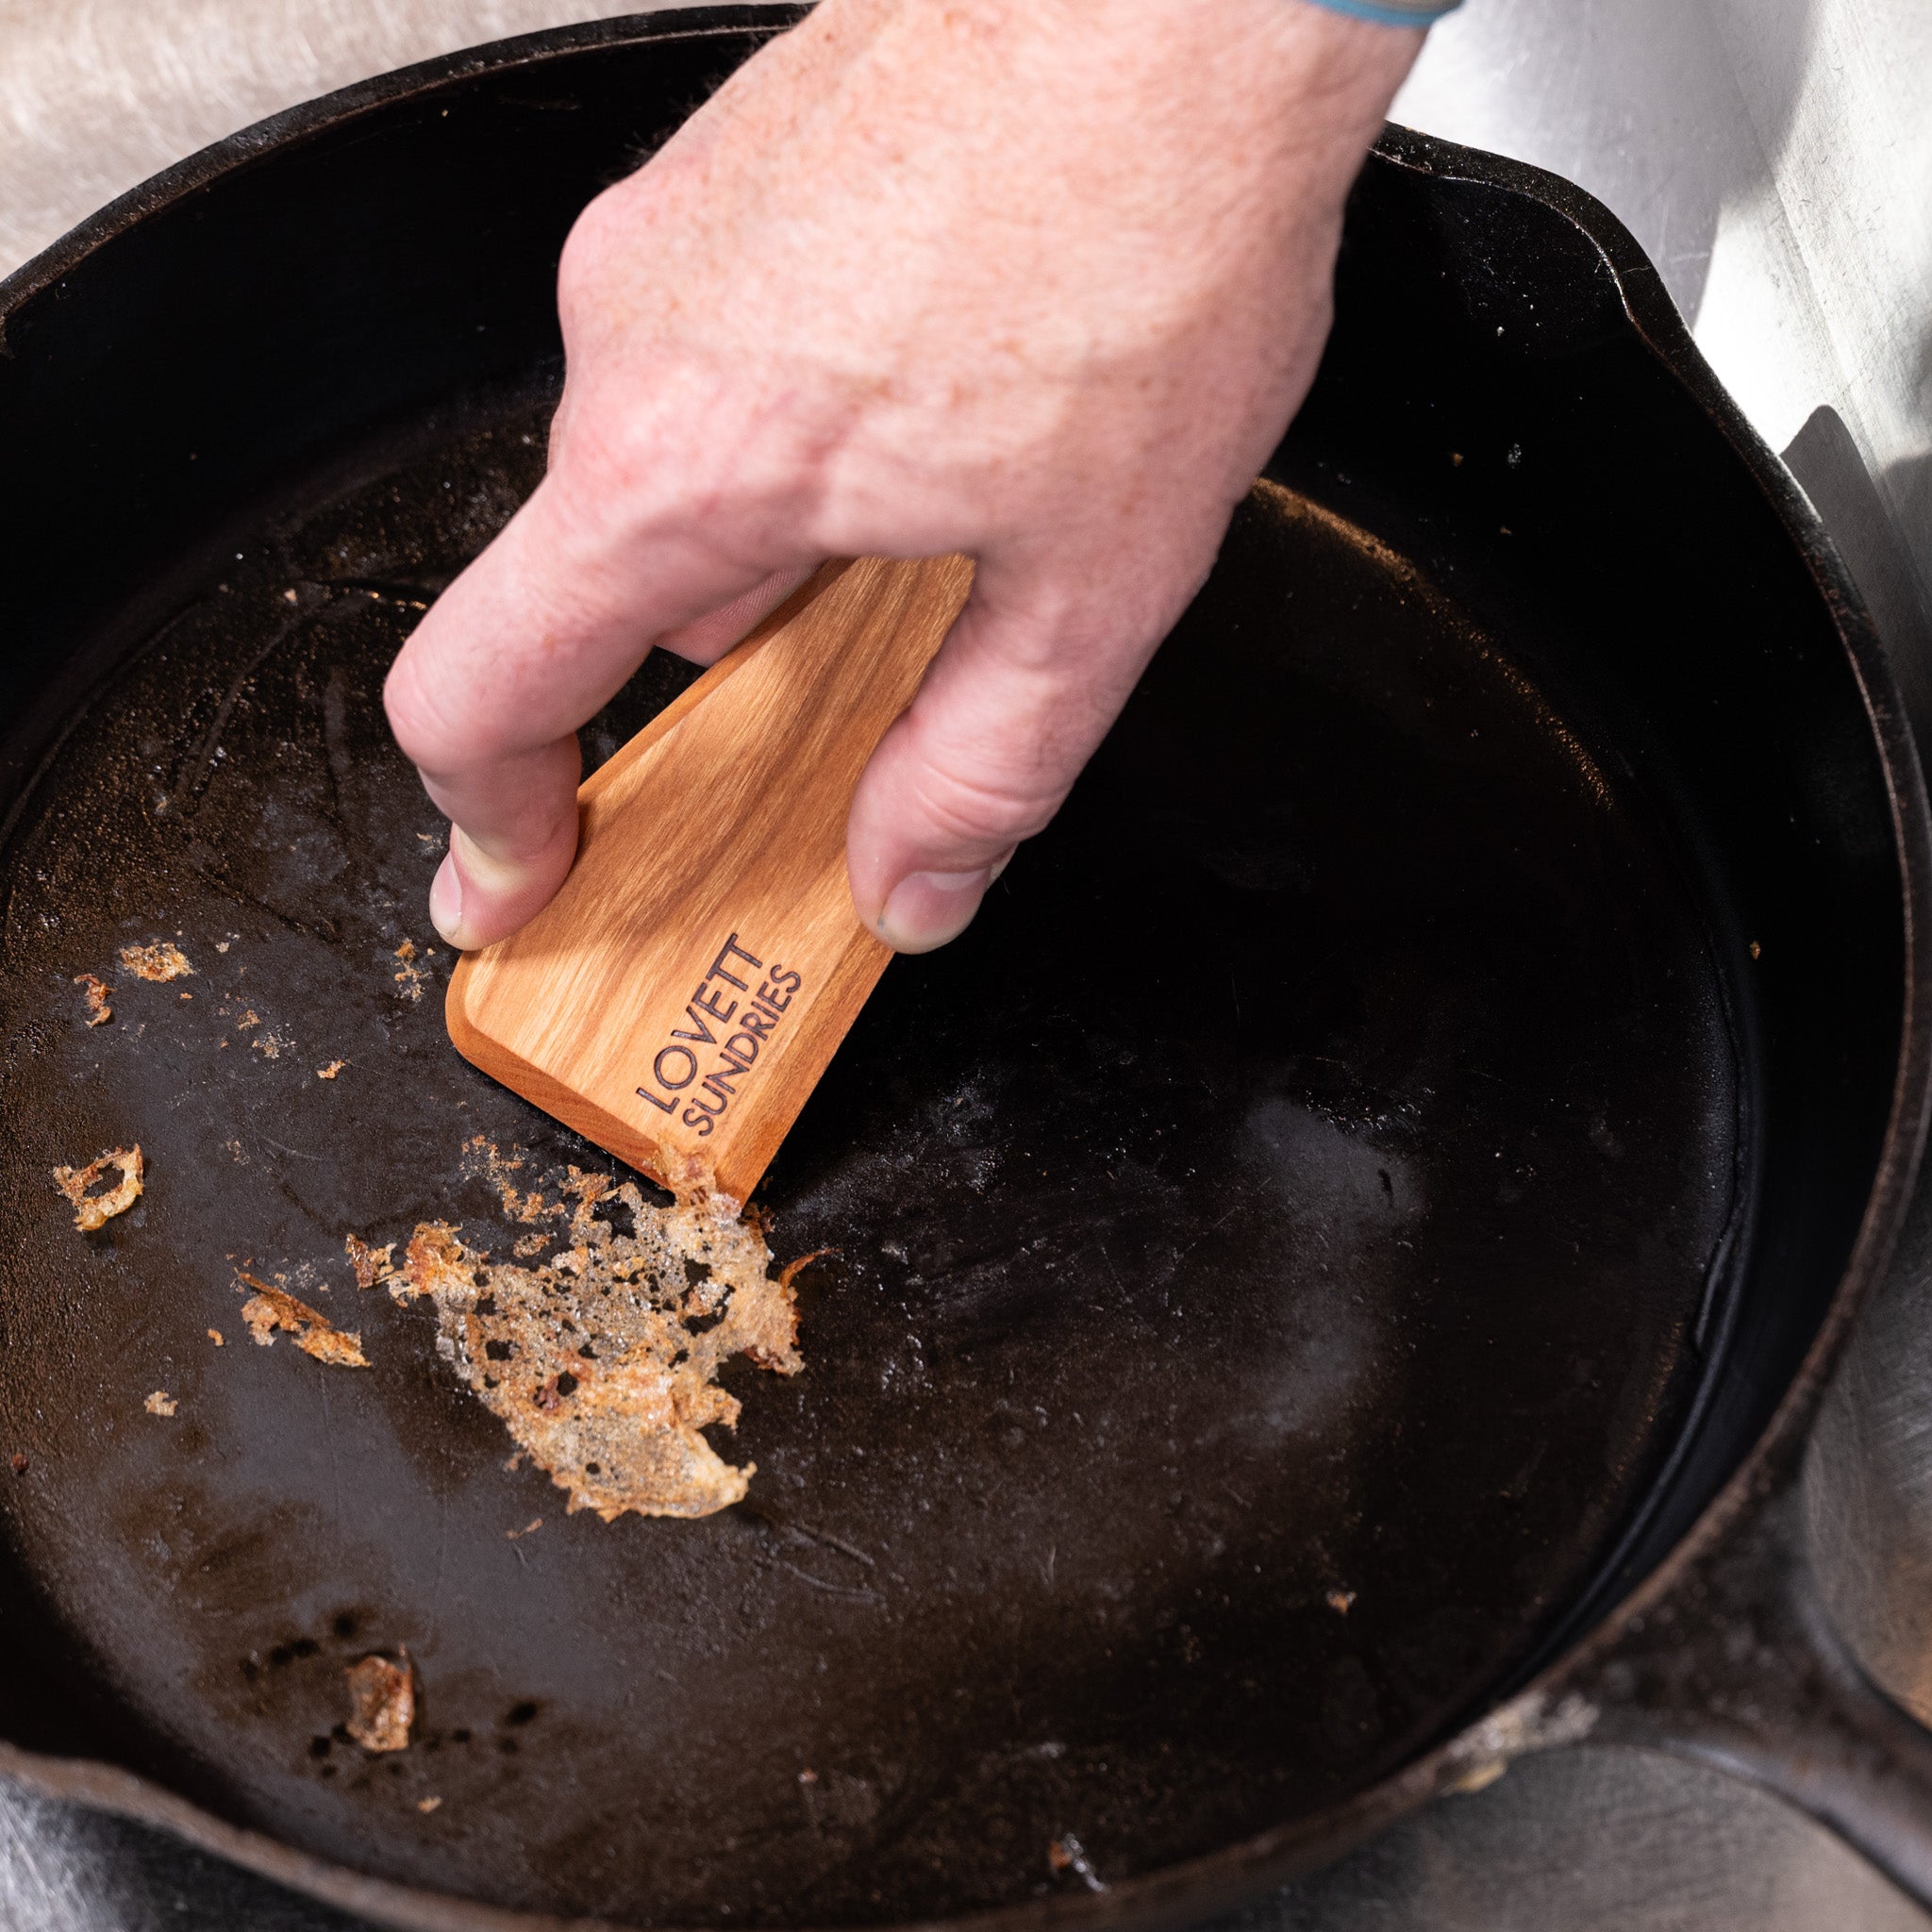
270 1309
382 1702
481 1158
235 1150
160 1403
270 1045
793 1270
528 1244
95 1210
428 1805
214 1335
220 945
98 1012
1339 1600
602 1361
410 979
530 1528
250 1018
186 996
329 1072
20 1463
162 960
1067 1854
371 1264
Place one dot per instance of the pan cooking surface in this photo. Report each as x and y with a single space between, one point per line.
1266 1248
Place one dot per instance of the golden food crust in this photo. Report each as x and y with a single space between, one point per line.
92 1212
270 1307
382 1702
162 960
601 1362
98 1012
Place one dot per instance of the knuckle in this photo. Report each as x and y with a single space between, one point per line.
430 737
975 803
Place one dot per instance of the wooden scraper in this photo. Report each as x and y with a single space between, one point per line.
680 998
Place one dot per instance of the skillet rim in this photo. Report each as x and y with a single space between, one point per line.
1536 1716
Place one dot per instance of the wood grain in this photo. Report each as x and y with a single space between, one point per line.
680 998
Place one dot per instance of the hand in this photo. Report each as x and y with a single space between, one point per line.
1039 280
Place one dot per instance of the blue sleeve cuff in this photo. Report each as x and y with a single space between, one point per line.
1393 13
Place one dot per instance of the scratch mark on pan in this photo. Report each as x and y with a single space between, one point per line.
296 1152
195 790
845 1590
835 1543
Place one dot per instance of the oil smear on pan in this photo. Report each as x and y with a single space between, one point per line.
602 1359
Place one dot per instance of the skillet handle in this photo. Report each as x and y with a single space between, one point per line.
1738 1665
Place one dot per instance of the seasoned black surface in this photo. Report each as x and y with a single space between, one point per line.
1296 1186
1570 900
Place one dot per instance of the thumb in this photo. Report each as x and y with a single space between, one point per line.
1020 695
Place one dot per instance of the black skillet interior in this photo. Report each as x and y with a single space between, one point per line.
1356 1190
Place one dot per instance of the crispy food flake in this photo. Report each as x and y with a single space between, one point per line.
98 1012
329 1072
160 1403
382 1702
95 1210
269 1308
214 1335
371 1264
409 981
601 1362
425 1806
162 961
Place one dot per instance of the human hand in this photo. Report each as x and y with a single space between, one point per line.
1036 280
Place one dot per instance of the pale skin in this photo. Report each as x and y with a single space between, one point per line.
1039 281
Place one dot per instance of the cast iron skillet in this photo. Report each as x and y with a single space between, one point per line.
1331 1275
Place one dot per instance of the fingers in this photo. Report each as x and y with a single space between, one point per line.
1012 707
709 638
529 642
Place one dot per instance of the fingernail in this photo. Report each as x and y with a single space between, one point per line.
926 909
446 901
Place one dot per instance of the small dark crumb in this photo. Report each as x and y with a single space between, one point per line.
345 1625
459 1737
507 1745
321 1747
520 1713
